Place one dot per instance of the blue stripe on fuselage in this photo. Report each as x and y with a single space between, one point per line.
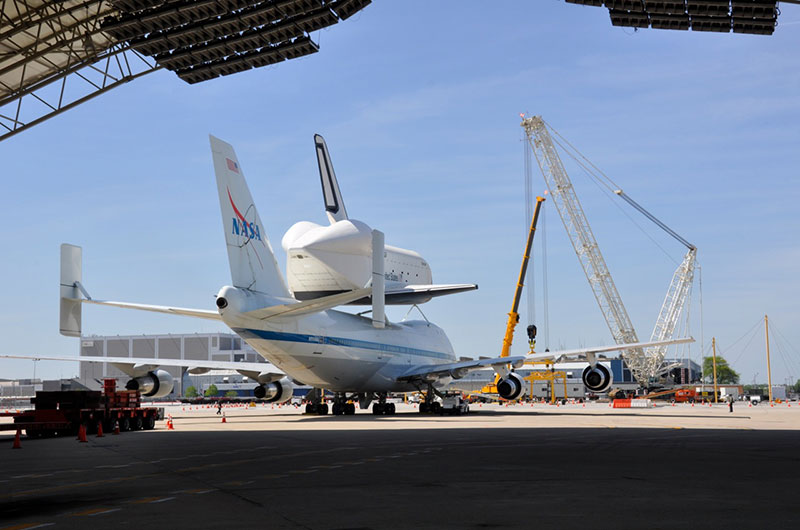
339 341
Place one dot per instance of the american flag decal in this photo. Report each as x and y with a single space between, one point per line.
233 166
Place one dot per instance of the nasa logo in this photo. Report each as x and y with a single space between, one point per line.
240 225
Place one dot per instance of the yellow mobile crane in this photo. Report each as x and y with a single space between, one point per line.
513 315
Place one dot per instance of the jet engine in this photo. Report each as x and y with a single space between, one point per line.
277 392
153 384
597 378
511 387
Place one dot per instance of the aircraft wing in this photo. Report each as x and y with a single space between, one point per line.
136 366
197 313
584 353
309 306
430 373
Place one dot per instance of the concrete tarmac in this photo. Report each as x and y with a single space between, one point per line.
498 467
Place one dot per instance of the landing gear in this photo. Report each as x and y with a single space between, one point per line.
430 404
320 408
316 404
382 407
342 407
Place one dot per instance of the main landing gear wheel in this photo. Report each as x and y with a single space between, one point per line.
350 409
386 409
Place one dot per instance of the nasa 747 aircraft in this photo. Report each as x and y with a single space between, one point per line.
351 355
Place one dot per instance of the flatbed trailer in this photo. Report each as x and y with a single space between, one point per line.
62 413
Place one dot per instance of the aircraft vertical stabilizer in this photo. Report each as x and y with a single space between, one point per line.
70 296
253 264
334 205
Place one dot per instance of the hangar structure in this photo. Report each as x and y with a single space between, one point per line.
55 55
757 17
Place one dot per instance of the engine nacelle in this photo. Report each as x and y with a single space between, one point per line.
154 384
511 387
597 379
277 392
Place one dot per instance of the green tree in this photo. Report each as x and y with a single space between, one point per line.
725 374
211 391
231 393
190 392
797 387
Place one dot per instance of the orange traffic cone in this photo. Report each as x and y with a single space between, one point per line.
116 427
99 429
82 434
170 427
223 418
16 441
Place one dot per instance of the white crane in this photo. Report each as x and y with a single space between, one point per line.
644 365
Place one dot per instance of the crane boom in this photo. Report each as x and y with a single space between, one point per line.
513 315
584 243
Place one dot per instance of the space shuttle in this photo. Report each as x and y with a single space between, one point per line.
327 260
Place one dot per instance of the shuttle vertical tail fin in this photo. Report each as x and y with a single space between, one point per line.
334 205
252 261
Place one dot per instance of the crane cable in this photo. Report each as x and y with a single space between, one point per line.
608 192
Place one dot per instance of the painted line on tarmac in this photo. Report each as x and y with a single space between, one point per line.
92 512
27 526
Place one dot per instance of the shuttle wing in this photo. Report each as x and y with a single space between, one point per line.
417 294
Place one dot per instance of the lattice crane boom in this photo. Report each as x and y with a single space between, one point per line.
584 243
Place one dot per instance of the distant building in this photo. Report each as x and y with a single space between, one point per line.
195 346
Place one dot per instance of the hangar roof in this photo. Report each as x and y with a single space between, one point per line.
99 44
723 16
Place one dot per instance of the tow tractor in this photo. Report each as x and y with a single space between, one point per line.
454 403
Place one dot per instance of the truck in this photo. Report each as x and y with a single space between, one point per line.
61 413
454 403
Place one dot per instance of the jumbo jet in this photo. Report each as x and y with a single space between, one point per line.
360 359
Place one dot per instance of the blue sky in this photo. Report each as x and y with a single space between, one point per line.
420 103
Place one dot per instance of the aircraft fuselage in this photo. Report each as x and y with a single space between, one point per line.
335 350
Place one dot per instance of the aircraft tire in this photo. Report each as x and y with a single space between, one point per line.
350 409
322 410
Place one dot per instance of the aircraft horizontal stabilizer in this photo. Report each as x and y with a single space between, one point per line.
583 353
457 370
197 313
309 306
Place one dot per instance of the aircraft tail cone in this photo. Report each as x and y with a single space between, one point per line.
99 429
16 445
82 434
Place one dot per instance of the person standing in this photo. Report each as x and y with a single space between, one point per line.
730 405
